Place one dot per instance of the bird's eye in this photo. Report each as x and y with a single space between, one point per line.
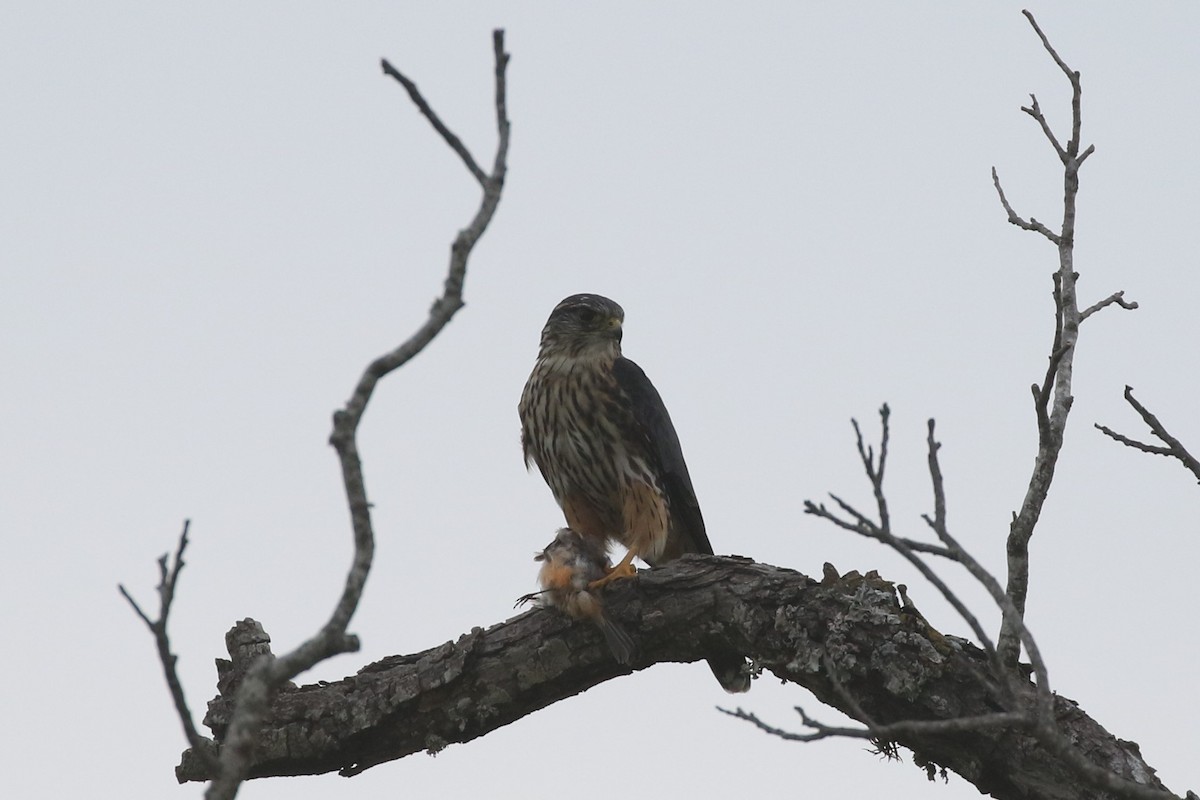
588 315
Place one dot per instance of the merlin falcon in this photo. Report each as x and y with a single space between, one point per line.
603 440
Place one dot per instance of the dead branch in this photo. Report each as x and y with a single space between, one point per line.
1116 297
1016 705
1052 399
881 531
1014 218
1173 448
887 659
951 550
820 730
267 676
168 579
255 681
861 524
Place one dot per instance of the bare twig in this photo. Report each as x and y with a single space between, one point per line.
884 534
820 730
1035 111
1116 297
1174 448
1076 94
985 579
875 473
1052 409
419 100
168 578
1031 224
1153 449
265 678
938 523
865 527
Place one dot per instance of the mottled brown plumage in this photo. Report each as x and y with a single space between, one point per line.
604 442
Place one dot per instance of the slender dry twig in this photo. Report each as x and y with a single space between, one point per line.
875 474
168 579
999 596
1116 297
1076 93
864 527
419 100
884 534
1031 224
267 675
1035 111
1052 399
1153 449
1173 449
820 730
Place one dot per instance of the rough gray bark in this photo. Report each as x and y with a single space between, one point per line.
888 663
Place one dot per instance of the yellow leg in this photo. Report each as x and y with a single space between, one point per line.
625 569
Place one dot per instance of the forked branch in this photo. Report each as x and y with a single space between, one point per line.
1016 706
264 677
168 580
1173 448
1052 398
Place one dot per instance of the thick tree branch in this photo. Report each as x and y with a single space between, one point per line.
884 656
1174 448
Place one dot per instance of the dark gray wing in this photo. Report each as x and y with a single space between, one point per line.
687 534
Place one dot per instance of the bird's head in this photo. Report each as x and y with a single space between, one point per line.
583 325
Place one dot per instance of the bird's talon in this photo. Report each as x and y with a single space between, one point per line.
620 571
623 571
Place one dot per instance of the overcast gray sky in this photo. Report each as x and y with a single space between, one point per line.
214 215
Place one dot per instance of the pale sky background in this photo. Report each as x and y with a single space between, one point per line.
214 215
